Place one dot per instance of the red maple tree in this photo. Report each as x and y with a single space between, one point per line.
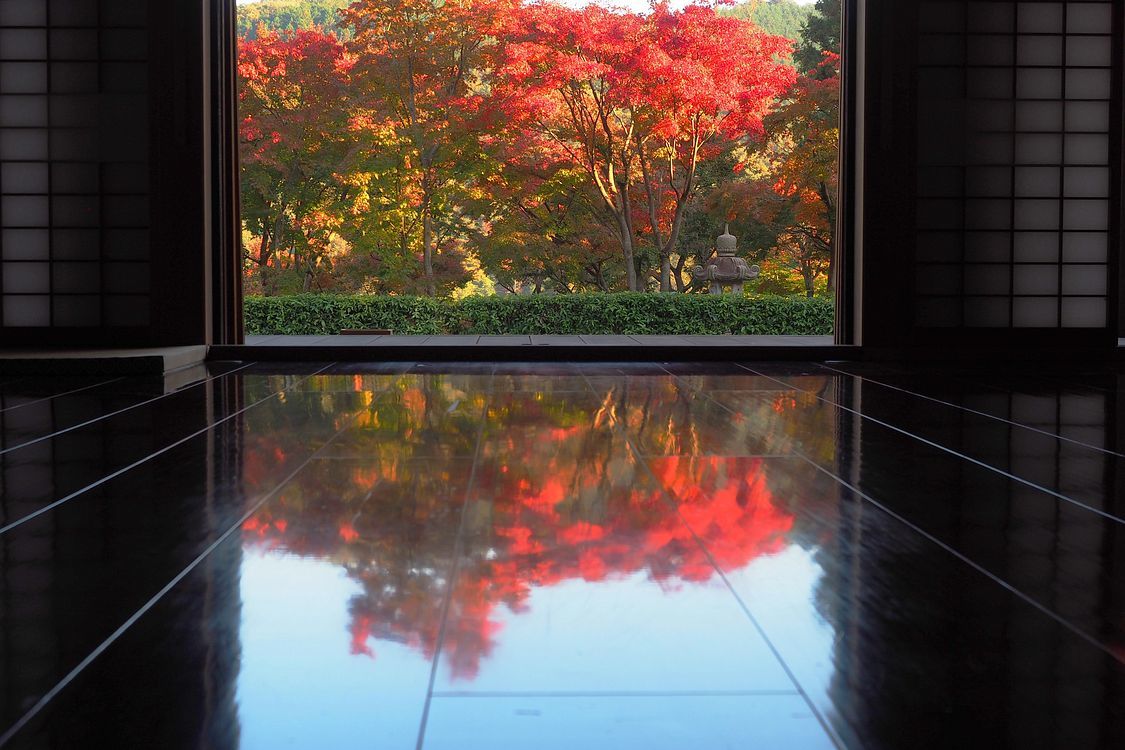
294 150
635 101
556 497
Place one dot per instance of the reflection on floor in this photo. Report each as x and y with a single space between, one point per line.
563 556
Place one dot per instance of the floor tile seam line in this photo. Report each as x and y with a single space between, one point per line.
171 446
615 693
770 442
975 461
102 417
970 410
455 568
147 606
71 392
968 561
949 549
821 719
61 685
668 500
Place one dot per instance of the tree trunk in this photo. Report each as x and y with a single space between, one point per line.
679 277
427 248
623 214
654 225
271 248
263 268
597 276
682 200
626 232
265 249
631 278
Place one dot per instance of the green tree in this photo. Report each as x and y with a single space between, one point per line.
544 233
779 17
820 34
289 15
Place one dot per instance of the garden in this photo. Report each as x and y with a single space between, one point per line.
516 167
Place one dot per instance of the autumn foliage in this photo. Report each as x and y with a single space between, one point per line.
634 102
295 151
453 146
796 165
556 497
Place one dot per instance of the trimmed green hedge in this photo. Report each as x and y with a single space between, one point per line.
620 313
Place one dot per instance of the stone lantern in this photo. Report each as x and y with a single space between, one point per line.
724 268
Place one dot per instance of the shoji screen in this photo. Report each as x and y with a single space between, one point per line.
1015 164
74 171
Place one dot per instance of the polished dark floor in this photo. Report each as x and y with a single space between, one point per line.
564 556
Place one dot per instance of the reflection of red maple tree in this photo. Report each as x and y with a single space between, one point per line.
560 503
727 502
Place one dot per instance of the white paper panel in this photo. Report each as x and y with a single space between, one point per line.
1024 115
73 162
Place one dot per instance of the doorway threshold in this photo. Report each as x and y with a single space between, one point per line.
533 348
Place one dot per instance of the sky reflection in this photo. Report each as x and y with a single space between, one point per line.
577 569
